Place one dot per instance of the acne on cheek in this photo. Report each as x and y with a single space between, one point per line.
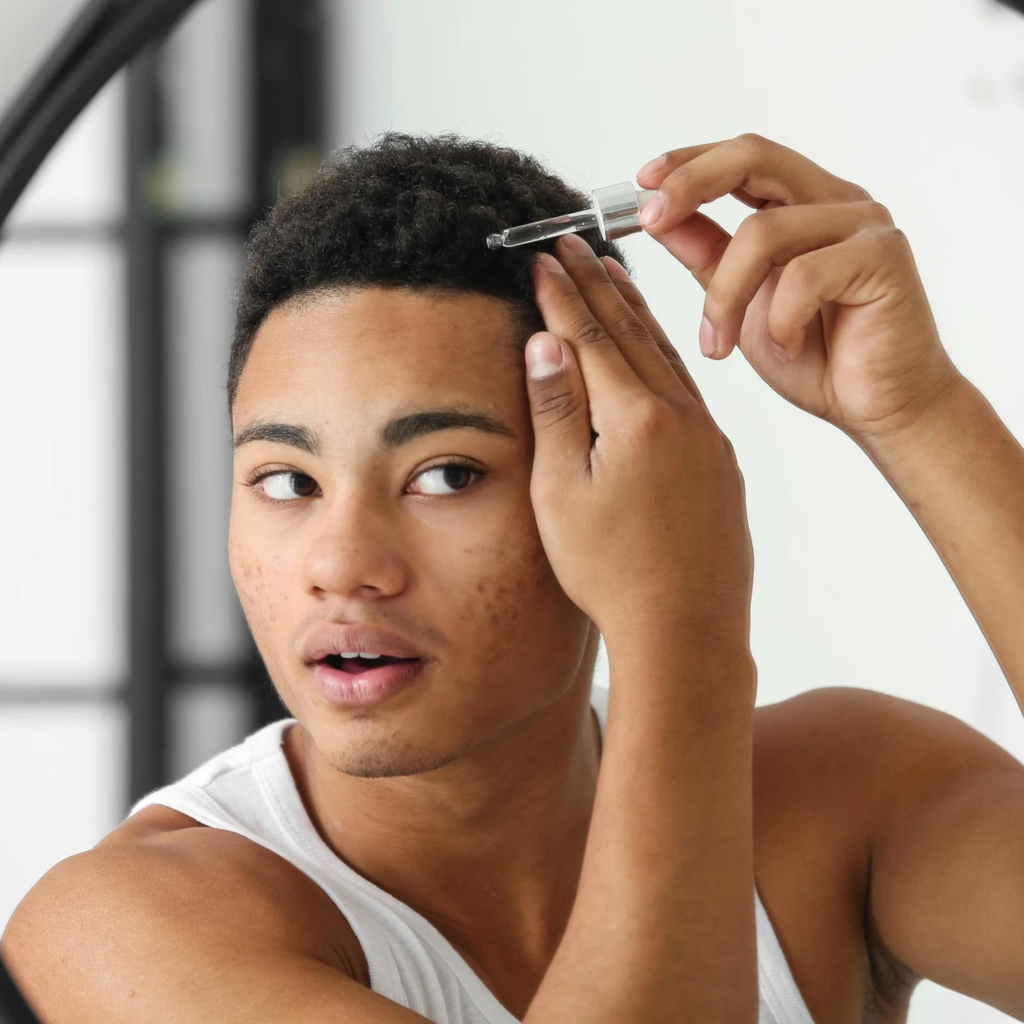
259 608
249 578
249 581
252 587
506 586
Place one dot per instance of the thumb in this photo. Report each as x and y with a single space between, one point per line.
559 409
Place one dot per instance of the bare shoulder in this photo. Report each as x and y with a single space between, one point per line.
903 747
865 758
834 768
305 912
183 927
160 855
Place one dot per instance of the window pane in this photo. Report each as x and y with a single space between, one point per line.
62 513
81 181
206 82
62 788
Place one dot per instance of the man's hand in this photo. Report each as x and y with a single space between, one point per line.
646 527
819 269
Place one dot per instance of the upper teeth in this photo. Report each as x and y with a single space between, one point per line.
346 654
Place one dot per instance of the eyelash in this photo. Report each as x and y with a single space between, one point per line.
261 474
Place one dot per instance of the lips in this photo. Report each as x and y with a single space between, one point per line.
336 638
369 686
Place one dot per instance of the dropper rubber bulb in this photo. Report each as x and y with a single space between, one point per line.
615 211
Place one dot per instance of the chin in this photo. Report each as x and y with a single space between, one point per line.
376 760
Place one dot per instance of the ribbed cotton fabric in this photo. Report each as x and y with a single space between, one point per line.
249 789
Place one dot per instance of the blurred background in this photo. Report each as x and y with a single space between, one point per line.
125 660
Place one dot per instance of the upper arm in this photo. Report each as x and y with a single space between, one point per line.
130 934
946 878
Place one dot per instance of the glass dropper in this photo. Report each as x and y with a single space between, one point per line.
614 211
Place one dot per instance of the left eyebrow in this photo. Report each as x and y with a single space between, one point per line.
393 434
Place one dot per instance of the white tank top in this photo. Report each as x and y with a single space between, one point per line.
249 789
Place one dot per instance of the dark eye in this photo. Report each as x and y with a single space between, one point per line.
452 471
275 491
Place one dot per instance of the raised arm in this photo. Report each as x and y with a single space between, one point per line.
960 471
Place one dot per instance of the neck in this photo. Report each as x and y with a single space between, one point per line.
491 845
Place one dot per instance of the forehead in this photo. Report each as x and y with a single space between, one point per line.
382 339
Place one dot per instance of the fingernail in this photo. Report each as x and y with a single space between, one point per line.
577 244
652 165
615 268
543 356
653 210
708 341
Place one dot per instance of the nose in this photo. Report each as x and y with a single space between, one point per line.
351 550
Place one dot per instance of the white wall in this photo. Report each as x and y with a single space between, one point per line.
920 102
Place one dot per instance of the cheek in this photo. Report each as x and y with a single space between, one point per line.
254 581
510 593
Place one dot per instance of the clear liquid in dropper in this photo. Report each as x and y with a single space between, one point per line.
540 230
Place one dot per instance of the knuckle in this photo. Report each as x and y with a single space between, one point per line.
655 420
678 179
627 324
630 294
587 331
759 227
726 450
843 191
675 360
637 296
898 242
716 302
802 271
753 141
877 212
889 238
555 406
651 418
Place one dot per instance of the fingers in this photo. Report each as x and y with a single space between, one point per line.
618 356
698 243
632 295
769 239
833 274
755 166
652 174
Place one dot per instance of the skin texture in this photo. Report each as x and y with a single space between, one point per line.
492 757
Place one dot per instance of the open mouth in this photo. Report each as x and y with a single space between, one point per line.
355 666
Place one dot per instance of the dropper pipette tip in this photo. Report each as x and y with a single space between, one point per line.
494 241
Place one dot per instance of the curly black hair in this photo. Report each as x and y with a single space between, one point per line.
407 211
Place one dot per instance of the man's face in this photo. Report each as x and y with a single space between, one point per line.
450 560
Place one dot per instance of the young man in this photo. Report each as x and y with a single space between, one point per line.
478 835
